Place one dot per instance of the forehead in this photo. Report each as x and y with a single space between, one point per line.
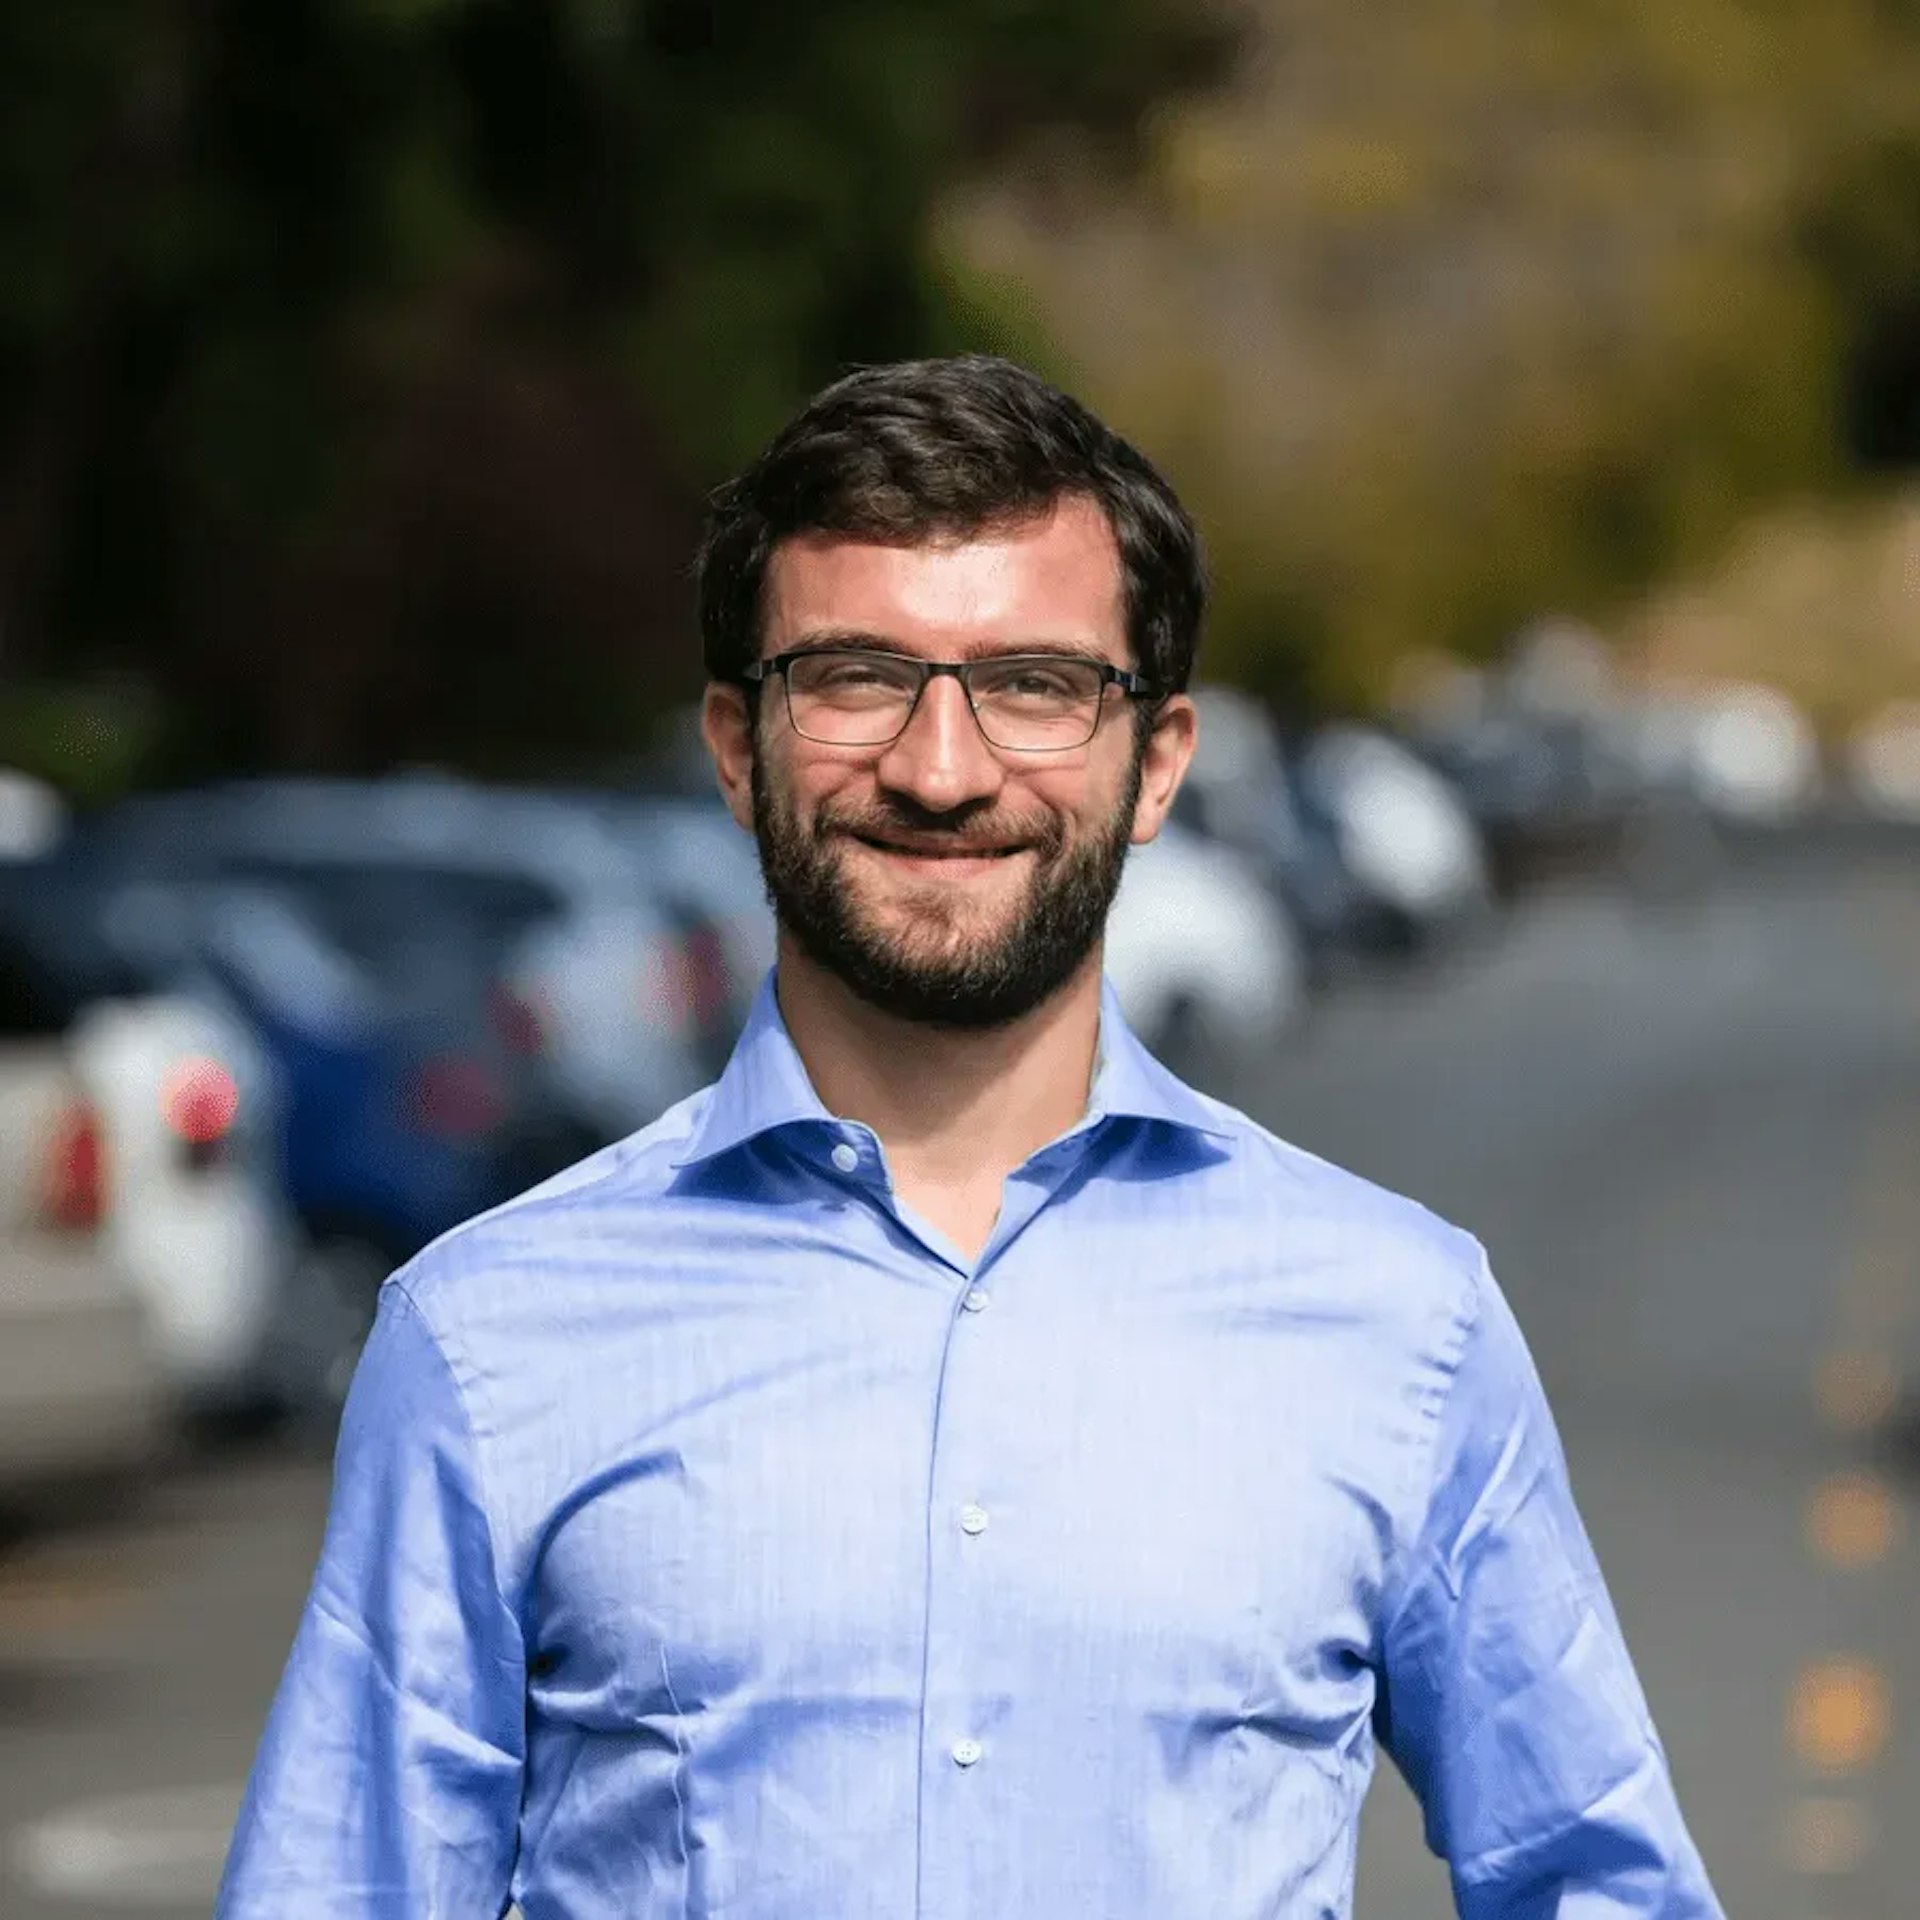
1052 581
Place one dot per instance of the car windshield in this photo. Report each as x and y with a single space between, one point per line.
402 920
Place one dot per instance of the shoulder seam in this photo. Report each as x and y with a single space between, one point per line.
397 1285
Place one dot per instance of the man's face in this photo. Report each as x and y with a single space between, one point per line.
941 878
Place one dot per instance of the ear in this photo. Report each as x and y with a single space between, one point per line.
726 724
1163 764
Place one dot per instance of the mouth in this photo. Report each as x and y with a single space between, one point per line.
905 847
941 854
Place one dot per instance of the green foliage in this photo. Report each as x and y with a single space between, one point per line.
89 741
1450 314
1861 238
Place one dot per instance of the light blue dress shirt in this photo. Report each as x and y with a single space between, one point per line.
710 1537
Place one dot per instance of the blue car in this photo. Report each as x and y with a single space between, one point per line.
403 1100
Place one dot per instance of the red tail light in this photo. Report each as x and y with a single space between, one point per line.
709 981
75 1196
456 1098
685 984
200 1101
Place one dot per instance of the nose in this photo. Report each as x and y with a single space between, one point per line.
940 761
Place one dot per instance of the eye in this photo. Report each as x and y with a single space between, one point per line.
1040 680
852 673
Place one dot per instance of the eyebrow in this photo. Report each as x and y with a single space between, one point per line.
857 640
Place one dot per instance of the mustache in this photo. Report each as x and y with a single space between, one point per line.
960 832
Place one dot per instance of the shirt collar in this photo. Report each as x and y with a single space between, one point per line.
765 1087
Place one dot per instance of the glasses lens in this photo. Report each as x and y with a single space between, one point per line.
1038 701
852 699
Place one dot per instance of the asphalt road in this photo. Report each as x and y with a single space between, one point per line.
1691 1139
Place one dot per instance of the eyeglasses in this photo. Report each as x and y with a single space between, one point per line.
1022 702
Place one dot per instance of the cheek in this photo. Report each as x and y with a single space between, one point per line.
1091 795
799 780
822 784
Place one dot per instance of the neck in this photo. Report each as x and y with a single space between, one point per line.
947 1105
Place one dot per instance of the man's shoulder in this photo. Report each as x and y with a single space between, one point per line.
1322 1212
589 1214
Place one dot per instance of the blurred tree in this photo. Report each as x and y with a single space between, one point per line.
1862 236
1450 312
362 361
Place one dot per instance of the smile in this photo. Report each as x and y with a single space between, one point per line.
935 850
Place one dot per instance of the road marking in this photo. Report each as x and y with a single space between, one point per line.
1840 1711
1839 1717
159 1849
1852 1520
1828 1836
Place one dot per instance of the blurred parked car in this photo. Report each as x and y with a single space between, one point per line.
1753 755
1208 966
1565 767
1545 791
33 817
406 1105
180 1101
294 1107
81 1389
1243 792
1401 829
709 867
622 994
1882 759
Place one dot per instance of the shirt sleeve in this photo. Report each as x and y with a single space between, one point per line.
387 1784
1508 1698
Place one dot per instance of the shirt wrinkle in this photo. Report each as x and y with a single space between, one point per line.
1497 1864
382 1667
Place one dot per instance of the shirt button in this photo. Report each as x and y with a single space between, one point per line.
846 1158
975 1299
966 1752
973 1519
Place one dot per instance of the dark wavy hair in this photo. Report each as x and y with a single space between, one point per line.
930 449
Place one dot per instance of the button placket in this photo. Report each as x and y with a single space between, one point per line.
964 1701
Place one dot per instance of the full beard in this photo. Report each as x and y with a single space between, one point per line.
951 981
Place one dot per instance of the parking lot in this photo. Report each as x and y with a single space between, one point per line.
1686 1132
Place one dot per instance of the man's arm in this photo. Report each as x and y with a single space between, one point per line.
387 1785
1508 1698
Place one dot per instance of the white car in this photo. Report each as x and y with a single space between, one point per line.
1755 758
81 1393
193 1213
1401 828
1883 762
1207 963
179 1101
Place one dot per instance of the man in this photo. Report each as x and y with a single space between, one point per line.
949 1468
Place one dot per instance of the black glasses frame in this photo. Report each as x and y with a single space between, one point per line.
1133 685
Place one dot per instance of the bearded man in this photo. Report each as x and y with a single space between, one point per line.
949 1469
